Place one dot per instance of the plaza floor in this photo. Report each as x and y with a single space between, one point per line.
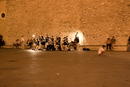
27 68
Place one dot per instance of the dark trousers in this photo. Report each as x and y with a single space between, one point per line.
50 47
0 43
30 44
128 48
109 46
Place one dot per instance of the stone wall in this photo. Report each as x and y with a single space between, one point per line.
3 20
95 20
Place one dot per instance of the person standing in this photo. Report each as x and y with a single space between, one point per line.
128 45
108 43
22 42
113 41
76 41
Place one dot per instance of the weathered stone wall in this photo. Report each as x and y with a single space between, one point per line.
97 19
3 20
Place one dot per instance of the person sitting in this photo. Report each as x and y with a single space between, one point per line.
35 44
65 43
47 39
29 43
43 42
17 44
58 46
50 45
52 39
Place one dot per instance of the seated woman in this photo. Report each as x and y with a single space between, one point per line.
17 44
43 42
30 43
50 45
58 45
35 44
65 43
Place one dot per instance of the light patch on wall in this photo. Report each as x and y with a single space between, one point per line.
33 35
80 35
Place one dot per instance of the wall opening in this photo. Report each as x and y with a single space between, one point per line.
2 15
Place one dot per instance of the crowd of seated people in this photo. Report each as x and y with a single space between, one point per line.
51 44
48 43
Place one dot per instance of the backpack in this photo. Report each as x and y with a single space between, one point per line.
86 49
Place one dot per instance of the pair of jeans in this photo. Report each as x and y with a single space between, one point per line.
109 46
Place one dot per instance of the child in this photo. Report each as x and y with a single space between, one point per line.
101 50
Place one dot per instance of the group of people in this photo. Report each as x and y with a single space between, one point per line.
109 46
19 42
49 43
110 43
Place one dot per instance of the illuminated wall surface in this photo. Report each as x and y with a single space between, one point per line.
97 19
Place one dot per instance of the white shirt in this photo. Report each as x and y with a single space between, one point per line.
100 50
22 39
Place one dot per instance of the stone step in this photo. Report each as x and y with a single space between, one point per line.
96 47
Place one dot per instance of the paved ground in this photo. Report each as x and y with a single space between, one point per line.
25 68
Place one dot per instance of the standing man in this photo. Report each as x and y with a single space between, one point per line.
128 44
113 41
108 44
76 41
22 42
